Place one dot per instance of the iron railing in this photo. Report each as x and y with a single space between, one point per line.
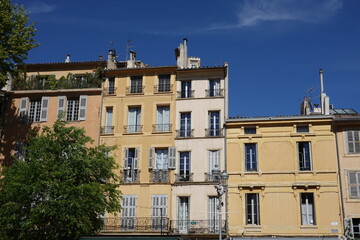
136 224
196 226
133 128
185 133
214 92
130 175
163 88
162 127
212 177
180 177
160 176
137 89
185 94
214 132
107 130
110 91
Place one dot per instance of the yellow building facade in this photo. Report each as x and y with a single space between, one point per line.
283 177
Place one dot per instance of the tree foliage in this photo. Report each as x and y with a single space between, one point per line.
16 37
61 188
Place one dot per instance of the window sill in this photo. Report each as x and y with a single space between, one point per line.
352 200
308 227
135 133
304 134
250 136
252 228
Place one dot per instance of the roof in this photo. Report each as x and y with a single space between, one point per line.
277 118
342 111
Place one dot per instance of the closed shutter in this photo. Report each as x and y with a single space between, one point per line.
159 205
354 184
136 158
44 109
61 105
172 157
82 107
151 158
23 109
126 156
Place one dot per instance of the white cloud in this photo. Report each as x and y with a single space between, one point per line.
39 7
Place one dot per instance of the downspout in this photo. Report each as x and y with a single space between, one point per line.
101 108
225 155
342 211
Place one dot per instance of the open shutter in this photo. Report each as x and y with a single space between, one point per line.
61 105
172 157
82 107
44 109
24 103
126 156
151 157
136 158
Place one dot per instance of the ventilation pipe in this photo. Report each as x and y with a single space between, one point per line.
67 60
131 63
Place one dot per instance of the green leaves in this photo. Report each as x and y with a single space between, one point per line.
61 188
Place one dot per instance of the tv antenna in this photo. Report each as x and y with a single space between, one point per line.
128 47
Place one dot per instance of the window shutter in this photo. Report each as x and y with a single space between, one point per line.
44 109
126 156
172 157
82 107
61 105
354 182
24 102
151 158
136 158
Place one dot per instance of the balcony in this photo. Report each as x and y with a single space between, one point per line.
214 92
212 176
104 130
163 88
136 224
159 176
110 91
185 133
180 177
132 129
185 94
130 175
214 132
162 127
196 226
137 89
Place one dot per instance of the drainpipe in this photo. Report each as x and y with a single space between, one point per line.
225 155
101 108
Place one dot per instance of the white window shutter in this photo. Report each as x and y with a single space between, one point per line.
136 159
23 109
61 105
44 109
151 157
126 156
172 157
82 107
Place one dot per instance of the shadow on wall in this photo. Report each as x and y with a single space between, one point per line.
16 129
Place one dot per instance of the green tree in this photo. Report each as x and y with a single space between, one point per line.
60 189
16 38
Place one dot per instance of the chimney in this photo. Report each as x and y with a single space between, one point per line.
101 58
111 61
181 54
131 62
324 100
67 60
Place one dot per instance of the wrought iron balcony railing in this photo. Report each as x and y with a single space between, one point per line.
212 177
196 226
130 175
185 133
110 91
160 176
214 92
107 130
137 89
186 94
133 128
162 127
136 224
214 132
163 88
180 177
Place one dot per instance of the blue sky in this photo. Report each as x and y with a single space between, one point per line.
274 48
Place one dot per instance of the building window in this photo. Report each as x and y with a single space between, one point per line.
214 124
128 212
34 110
108 128
186 91
134 120
214 88
183 214
163 119
252 209
184 168
213 214
354 184
356 227
250 130
111 89
159 212
136 84
72 112
131 165
214 160
164 83
162 159
307 209
20 150
75 107
353 142
185 125
304 155
251 163
302 129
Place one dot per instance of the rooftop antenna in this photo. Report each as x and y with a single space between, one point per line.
128 47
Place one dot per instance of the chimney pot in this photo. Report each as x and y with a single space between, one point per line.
67 60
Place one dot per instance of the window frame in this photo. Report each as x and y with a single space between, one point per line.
355 143
354 186
302 162
310 218
252 216
251 162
